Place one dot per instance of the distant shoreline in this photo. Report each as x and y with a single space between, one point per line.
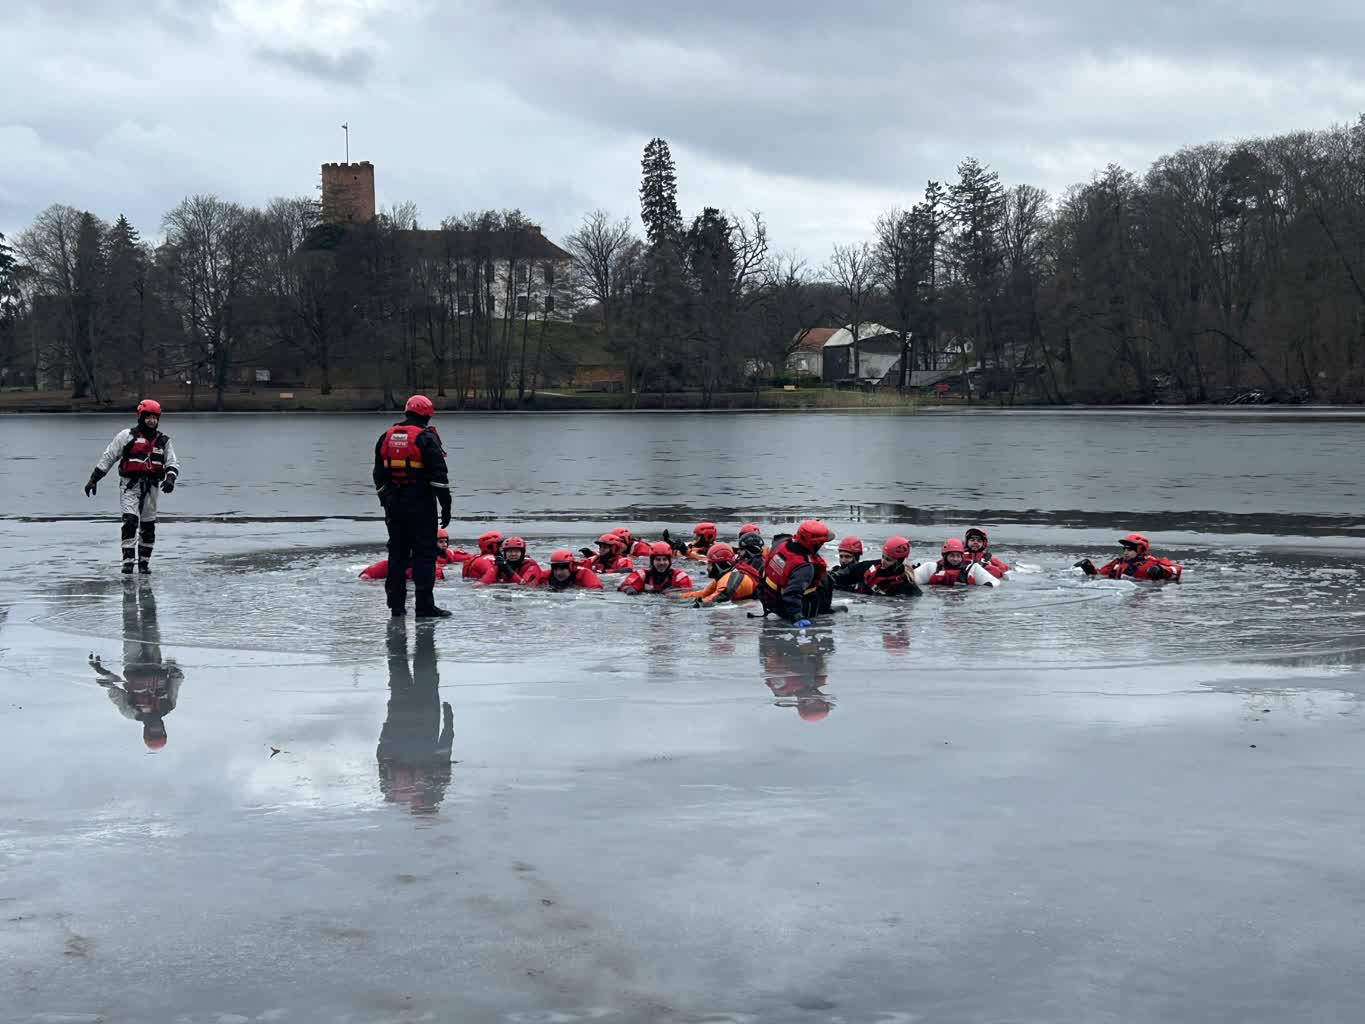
810 401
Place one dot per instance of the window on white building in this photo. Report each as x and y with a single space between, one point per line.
549 303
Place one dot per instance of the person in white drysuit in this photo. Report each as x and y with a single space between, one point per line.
145 462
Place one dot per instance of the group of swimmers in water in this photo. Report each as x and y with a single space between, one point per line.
788 576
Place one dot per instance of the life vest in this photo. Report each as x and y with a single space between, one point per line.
610 563
144 456
400 454
878 580
672 580
749 570
783 561
1137 568
947 576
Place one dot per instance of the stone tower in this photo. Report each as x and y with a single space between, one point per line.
348 193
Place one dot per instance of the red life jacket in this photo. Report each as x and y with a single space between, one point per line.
946 576
610 563
881 580
144 456
474 568
1137 568
644 581
400 454
749 570
780 565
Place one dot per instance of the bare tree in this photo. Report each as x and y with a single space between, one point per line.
853 271
607 258
212 256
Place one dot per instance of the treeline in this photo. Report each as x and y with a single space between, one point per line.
93 307
1224 270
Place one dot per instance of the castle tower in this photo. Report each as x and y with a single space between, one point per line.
348 193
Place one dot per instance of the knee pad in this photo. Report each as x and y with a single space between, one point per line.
148 532
129 526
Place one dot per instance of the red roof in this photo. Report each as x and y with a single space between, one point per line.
816 337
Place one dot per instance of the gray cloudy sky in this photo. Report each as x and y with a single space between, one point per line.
819 114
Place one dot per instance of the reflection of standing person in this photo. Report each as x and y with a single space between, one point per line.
149 688
795 669
411 477
415 743
145 461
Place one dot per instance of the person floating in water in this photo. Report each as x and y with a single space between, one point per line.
660 577
1134 561
146 461
749 548
979 552
610 556
848 574
891 577
511 565
566 574
419 730
411 479
149 688
731 578
796 583
490 545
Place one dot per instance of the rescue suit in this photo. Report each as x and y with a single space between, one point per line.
411 478
146 464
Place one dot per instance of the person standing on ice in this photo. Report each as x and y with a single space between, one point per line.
146 461
411 478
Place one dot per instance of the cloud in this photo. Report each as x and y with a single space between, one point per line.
350 67
818 115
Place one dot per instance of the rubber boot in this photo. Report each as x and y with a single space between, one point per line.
426 606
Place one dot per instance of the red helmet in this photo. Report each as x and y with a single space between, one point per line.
420 405
148 405
954 544
613 541
490 542
851 545
661 547
896 547
562 557
155 742
749 528
813 709
1137 542
813 533
442 533
514 542
705 532
718 553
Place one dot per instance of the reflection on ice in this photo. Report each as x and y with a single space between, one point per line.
419 729
149 688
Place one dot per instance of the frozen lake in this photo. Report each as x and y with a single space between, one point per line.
1058 800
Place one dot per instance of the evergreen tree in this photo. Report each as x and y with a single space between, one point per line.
124 302
659 195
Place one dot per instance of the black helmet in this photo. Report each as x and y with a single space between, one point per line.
751 542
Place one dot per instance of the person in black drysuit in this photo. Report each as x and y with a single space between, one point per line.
411 477
419 730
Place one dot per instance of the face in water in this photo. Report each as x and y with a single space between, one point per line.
847 558
660 563
975 542
953 559
513 555
561 571
1127 551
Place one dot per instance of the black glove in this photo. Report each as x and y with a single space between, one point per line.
1155 572
385 494
586 552
1086 566
90 486
445 516
696 603
168 484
